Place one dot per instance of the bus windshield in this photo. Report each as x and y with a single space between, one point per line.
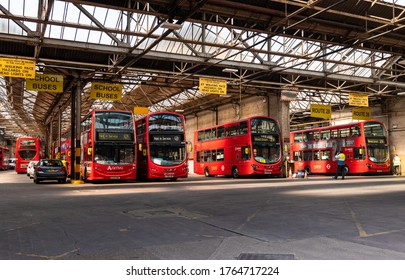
165 122
377 153
377 147
261 125
373 129
113 154
167 155
265 142
113 120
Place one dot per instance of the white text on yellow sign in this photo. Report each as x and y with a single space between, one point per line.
106 91
18 68
49 83
212 86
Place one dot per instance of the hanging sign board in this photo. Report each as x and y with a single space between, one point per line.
288 93
361 114
106 91
321 111
17 68
141 110
358 99
49 83
212 86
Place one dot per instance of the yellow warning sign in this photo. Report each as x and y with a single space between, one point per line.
361 114
212 86
17 68
49 83
321 111
106 91
358 99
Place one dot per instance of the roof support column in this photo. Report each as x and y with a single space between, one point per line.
75 134
281 111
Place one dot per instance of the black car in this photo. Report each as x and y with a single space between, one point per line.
50 169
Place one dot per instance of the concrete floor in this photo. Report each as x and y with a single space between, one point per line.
360 218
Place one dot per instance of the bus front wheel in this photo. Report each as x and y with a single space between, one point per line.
235 172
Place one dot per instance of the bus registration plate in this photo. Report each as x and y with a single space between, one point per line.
115 177
169 175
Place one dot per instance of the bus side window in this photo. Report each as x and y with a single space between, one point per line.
325 134
355 131
214 155
243 128
220 155
221 132
214 133
307 155
207 156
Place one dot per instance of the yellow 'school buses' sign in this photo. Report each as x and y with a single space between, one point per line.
321 111
361 114
358 99
141 110
17 68
49 83
106 91
212 86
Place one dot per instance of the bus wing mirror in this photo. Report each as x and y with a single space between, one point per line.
89 151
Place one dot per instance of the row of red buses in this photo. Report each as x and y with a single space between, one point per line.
27 149
108 146
246 147
365 145
4 158
161 152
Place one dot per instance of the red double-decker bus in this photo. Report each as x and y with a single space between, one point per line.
247 147
161 146
365 145
26 149
108 146
4 158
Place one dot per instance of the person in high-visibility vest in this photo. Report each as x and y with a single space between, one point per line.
396 161
341 165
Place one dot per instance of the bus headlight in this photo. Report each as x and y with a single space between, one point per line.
369 165
254 166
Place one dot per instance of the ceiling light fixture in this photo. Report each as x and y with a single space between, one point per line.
401 93
229 70
170 25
